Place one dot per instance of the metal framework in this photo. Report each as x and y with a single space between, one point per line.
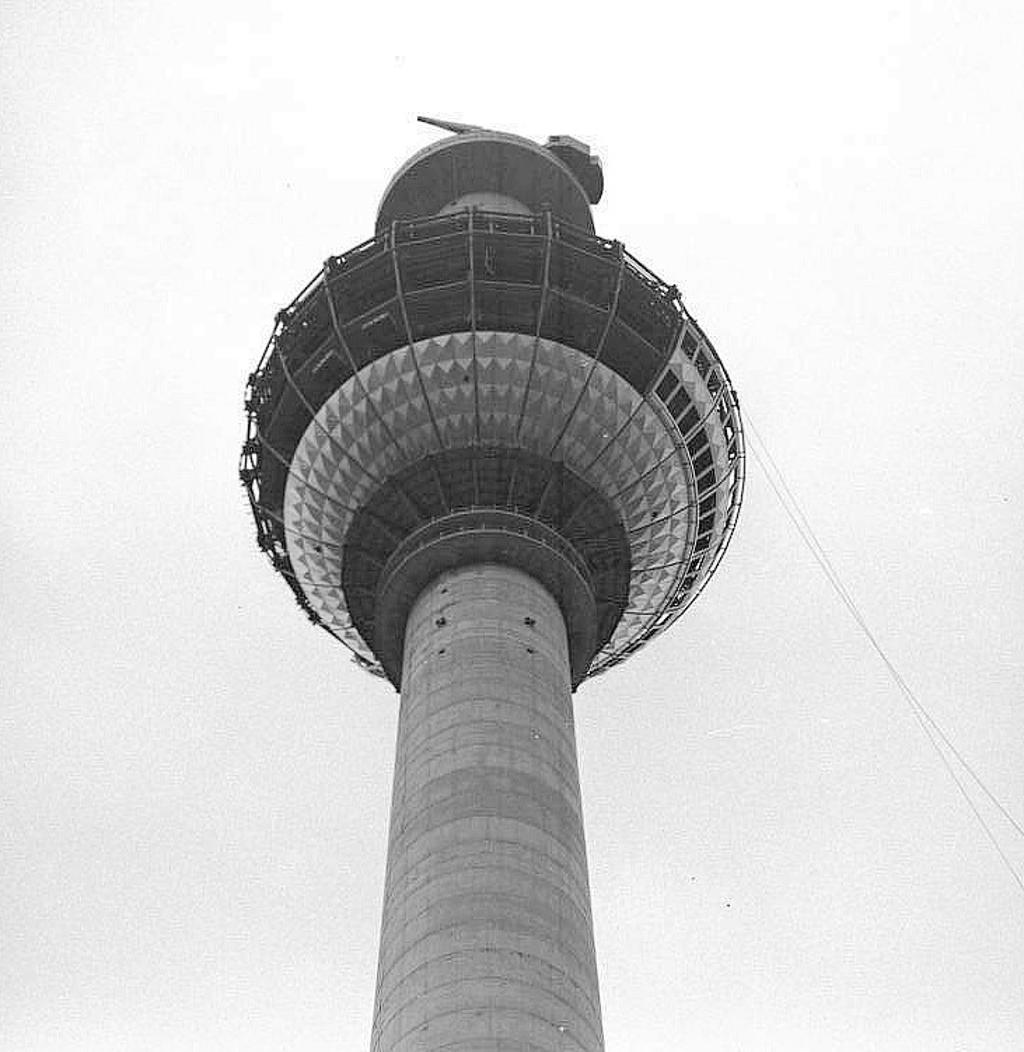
493 360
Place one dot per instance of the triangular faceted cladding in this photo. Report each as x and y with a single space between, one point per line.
535 391
608 419
664 586
632 450
330 569
626 629
604 478
364 416
386 373
335 499
635 509
654 553
660 534
646 556
608 384
507 419
329 412
331 524
541 422
640 554
328 591
398 364
389 457
575 456
396 419
406 417
721 460
432 354
379 372
319 593
664 529
496 374
458 348
312 507
585 437
642 613
340 503
402 390
365 454
320 433
498 425
504 344
546 363
562 367
658 488
669 480
653 431
648 583
309 582
337 405
679 363
344 440
453 400
596 410
322 451
722 502
623 394
457 430
563 387
296 494
714 429
321 474
345 477
303 525
497 429
303 538
501 383
422 440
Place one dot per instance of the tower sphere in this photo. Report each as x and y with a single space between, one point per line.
486 379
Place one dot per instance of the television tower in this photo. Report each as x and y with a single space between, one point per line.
492 454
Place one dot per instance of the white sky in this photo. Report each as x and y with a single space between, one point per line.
196 782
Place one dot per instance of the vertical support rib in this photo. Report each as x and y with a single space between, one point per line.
541 307
487 938
598 350
472 322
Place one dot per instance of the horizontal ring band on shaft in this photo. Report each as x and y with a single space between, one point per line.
485 535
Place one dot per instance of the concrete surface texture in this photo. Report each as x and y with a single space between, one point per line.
487 939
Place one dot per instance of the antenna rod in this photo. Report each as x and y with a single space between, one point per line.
452 126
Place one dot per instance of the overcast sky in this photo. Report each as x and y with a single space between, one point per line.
196 782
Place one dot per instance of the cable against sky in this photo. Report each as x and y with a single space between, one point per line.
933 731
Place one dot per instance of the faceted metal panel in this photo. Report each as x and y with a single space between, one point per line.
498 389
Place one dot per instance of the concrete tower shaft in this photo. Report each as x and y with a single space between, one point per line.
486 939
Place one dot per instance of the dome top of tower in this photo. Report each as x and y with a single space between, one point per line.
561 175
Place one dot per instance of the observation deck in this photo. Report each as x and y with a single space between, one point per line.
476 362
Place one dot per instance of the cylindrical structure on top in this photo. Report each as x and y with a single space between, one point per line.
486 941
